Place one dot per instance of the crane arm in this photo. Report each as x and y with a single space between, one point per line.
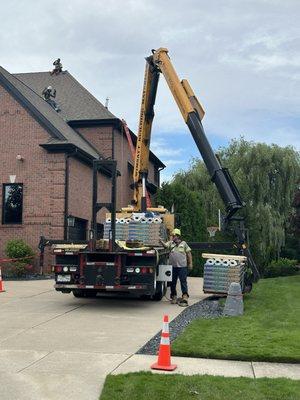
192 113
141 162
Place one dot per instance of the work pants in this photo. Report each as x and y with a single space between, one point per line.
181 273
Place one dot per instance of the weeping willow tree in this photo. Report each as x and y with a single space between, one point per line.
267 177
188 209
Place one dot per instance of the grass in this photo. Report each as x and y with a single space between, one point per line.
148 386
268 331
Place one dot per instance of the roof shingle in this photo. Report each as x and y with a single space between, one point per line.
44 113
76 102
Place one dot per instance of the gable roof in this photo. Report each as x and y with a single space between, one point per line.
77 105
76 102
52 121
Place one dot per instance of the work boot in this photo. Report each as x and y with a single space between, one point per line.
183 302
174 299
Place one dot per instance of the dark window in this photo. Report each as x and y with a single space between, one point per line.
156 176
100 231
78 231
12 203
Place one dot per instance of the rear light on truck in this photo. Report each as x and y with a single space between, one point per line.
147 270
57 268
140 270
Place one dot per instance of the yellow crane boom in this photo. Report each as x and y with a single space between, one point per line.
192 112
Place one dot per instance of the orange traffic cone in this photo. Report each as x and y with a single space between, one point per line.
1 283
164 354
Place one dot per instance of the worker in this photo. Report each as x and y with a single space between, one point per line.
47 93
180 258
57 67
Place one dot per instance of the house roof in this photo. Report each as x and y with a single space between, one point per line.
51 120
78 106
76 102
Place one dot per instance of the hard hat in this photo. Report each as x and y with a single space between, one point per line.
176 231
49 87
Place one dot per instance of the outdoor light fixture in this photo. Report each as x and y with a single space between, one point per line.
71 221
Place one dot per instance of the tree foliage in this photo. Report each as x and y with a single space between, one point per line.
267 177
184 200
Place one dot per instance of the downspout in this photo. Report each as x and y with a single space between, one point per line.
113 194
66 206
159 171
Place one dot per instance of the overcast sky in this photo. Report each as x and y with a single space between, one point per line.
241 57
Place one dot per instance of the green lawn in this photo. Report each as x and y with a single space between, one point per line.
148 386
268 331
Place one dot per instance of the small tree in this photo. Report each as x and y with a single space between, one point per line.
18 249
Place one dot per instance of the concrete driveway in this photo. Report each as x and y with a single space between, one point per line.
54 346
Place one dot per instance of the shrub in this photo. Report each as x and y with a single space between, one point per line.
17 248
281 267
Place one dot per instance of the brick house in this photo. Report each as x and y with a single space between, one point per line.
46 158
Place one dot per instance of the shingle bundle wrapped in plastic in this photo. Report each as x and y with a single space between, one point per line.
220 273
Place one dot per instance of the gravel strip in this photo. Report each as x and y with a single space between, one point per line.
209 308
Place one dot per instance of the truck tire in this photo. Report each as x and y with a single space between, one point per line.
160 291
84 293
248 288
90 293
78 293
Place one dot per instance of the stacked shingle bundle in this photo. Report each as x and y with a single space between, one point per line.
220 273
140 227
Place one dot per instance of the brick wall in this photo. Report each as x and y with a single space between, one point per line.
41 173
80 191
101 138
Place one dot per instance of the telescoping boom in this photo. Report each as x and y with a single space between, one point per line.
192 112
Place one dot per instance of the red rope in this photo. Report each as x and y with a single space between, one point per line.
2 260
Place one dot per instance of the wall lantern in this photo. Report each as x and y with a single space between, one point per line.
71 221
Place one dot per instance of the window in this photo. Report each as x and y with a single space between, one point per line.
156 176
12 203
78 231
100 231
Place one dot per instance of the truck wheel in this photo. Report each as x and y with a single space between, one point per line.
78 293
161 289
248 288
90 293
84 293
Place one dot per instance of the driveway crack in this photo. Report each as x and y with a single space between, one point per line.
42 323
122 362
35 362
56 316
253 370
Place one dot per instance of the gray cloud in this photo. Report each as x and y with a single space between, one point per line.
241 57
